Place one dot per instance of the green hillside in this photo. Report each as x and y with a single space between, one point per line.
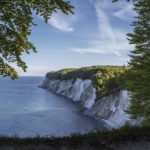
105 79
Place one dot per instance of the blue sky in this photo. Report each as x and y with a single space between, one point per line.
94 35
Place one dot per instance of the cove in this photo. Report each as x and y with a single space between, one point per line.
26 110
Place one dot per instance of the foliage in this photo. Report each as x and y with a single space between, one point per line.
16 20
138 76
126 0
101 139
106 79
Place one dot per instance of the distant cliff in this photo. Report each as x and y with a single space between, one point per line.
99 89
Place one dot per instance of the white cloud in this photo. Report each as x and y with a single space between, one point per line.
110 40
61 22
126 12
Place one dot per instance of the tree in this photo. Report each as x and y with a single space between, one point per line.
126 0
138 76
16 20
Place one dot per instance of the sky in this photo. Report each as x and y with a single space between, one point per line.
94 35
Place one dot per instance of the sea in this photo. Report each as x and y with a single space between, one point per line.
28 111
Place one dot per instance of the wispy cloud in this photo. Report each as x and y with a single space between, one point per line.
111 40
126 12
61 22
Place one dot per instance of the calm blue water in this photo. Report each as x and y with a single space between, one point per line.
26 110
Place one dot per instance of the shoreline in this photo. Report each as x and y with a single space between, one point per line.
82 110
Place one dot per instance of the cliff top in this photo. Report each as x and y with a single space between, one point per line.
105 79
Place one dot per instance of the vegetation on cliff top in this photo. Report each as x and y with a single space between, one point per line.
106 79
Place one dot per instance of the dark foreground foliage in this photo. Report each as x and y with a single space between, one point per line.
116 139
106 79
16 21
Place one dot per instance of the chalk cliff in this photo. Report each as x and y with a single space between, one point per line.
109 109
78 91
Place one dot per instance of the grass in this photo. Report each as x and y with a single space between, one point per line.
105 140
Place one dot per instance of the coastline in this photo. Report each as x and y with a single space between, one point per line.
109 110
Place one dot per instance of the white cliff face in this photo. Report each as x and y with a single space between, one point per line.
113 109
78 91
110 109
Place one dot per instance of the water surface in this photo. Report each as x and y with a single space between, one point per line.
26 110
